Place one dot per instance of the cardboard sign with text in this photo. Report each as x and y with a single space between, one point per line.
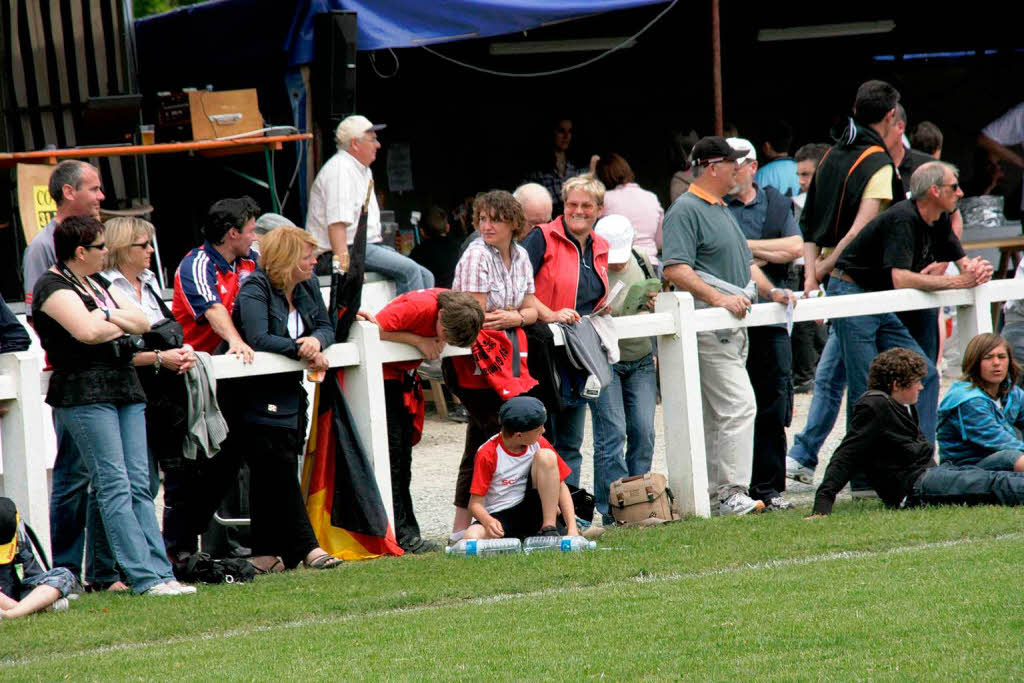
35 205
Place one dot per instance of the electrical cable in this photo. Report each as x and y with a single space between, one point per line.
373 63
563 70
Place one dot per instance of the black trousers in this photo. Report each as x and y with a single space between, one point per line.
770 366
808 340
400 428
193 490
280 523
482 406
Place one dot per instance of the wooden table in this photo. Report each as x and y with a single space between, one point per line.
206 148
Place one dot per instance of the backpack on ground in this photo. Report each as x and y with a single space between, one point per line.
201 568
641 498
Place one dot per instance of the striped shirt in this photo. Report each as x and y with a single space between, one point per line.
481 269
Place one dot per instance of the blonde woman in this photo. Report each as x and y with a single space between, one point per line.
279 310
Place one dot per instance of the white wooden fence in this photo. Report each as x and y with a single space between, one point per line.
26 457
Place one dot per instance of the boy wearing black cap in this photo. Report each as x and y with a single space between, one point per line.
518 485
36 589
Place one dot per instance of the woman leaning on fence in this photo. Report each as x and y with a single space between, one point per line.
280 310
90 337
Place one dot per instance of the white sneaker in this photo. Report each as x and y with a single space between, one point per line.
59 605
181 588
737 504
162 589
798 472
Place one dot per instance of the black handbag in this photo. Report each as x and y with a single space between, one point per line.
166 334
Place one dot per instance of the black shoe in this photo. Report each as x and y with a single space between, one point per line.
458 414
548 531
805 387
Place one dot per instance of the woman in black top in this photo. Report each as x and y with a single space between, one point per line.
97 399
280 310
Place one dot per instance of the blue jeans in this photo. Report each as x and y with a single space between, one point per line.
633 393
829 384
407 274
566 436
73 516
112 443
862 338
610 424
969 485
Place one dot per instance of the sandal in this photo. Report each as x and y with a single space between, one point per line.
325 561
276 567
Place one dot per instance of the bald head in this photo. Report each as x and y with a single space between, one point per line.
536 202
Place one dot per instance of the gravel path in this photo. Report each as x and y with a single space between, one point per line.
436 461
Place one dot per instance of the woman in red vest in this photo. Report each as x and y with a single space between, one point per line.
570 272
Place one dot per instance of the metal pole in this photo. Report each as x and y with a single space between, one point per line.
716 65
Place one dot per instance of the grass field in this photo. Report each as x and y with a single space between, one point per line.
867 593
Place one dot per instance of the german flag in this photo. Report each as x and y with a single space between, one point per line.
343 501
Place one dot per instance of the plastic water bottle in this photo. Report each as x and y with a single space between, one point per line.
486 546
565 544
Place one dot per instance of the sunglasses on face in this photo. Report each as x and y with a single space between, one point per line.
142 245
99 247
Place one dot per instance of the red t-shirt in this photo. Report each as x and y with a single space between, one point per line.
414 312
500 476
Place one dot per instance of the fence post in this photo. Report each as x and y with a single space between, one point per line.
24 446
974 319
364 392
681 407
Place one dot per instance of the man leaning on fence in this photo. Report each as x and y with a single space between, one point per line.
705 253
897 250
205 286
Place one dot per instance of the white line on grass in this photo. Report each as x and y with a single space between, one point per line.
505 597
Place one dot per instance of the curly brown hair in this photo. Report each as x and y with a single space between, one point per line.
902 366
977 349
501 206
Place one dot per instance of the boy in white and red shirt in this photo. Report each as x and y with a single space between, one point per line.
518 485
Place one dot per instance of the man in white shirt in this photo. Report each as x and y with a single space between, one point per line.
336 200
1001 140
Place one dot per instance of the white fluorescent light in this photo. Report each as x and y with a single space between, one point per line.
544 46
857 28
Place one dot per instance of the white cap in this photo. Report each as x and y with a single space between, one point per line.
619 233
743 145
352 127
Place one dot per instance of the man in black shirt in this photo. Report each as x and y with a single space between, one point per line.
899 250
886 444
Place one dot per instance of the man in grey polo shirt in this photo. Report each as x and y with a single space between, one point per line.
75 186
706 254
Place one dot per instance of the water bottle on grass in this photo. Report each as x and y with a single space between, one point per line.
565 544
486 546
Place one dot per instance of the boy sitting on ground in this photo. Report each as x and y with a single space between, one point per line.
35 590
885 442
518 485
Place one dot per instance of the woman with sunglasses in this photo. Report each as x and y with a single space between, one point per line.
89 334
164 358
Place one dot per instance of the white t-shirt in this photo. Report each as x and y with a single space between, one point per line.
337 196
1008 130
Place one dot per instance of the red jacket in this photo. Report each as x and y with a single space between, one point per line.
557 280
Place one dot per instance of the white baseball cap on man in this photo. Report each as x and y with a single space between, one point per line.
354 126
743 145
619 233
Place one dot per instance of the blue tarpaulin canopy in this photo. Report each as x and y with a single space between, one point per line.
411 23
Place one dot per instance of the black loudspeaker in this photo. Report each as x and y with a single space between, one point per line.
334 67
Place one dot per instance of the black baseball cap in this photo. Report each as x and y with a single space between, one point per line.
522 414
713 149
